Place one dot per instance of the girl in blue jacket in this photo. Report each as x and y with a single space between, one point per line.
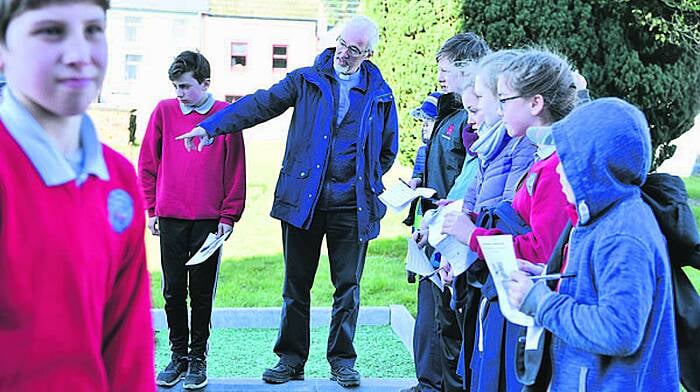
612 324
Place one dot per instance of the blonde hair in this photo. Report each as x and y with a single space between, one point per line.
492 65
541 72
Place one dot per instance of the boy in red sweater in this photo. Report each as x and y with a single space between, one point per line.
74 291
184 209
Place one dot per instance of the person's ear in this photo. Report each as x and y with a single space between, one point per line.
205 84
536 105
369 54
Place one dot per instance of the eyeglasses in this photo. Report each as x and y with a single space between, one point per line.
502 101
353 50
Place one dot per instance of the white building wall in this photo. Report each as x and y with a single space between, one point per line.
260 36
158 35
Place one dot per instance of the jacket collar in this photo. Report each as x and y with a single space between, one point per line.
371 76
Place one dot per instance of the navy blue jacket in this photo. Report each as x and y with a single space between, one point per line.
308 90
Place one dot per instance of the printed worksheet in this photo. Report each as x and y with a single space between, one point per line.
455 252
417 261
435 221
399 196
499 253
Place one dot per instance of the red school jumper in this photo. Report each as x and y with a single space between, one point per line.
74 290
541 203
191 185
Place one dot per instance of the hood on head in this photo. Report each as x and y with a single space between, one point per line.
605 149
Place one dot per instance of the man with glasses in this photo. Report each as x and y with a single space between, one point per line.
341 140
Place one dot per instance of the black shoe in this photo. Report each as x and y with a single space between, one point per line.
173 372
196 375
282 373
346 376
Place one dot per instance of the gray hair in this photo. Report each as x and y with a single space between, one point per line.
541 72
365 24
493 64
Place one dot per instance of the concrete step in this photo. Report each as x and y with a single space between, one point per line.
308 385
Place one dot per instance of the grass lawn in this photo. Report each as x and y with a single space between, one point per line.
245 353
252 269
692 184
257 281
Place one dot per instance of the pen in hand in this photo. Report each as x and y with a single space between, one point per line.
552 276
404 182
424 277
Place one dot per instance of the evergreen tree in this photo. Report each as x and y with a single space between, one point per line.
646 52
411 32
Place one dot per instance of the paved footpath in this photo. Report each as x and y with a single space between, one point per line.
308 385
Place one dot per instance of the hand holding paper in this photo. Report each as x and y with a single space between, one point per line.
400 196
500 257
417 261
458 225
517 288
210 245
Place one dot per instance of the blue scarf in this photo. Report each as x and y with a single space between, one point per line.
490 140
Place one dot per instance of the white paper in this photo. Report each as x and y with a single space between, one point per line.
400 196
210 245
532 337
417 261
455 253
435 223
499 253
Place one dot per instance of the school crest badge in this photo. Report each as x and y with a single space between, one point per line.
120 207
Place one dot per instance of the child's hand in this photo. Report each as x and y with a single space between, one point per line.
421 237
153 225
414 183
458 225
530 268
224 230
204 139
517 288
445 272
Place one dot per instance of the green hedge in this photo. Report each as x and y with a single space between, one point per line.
647 52
411 33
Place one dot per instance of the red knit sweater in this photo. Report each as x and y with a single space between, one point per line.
74 290
191 185
542 205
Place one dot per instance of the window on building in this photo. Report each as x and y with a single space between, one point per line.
132 65
239 54
132 27
279 56
232 98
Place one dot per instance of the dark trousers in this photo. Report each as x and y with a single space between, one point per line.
426 340
179 240
450 333
302 249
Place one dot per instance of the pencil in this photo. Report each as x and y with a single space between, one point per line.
553 276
